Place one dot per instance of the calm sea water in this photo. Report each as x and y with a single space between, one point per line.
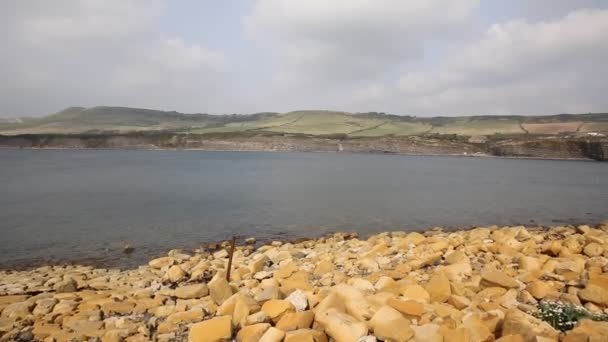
66 205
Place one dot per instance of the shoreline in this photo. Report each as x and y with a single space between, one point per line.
474 155
431 284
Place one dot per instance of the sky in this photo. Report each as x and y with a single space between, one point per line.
415 57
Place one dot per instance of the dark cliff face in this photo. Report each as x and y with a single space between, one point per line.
552 148
541 147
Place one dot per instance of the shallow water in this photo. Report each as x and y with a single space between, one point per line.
85 205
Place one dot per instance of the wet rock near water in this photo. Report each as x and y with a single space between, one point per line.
481 284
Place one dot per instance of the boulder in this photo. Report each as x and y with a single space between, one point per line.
275 308
406 307
252 333
491 278
389 324
219 288
298 299
66 285
439 288
159 263
217 329
191 291
593 249
176 274
415 292
295 320
517 322
272 335
341 326
596 290
305 335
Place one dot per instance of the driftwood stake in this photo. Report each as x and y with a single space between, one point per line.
232 247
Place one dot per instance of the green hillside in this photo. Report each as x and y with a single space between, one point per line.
316 123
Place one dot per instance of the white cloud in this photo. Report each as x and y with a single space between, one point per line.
100 52
352 40
519 67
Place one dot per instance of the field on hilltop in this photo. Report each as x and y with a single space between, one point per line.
78 120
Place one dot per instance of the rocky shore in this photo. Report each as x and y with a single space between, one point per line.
483 284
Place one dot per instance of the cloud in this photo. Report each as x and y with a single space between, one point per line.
92 52
333 42
519 67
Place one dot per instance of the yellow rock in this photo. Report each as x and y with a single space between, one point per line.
588 330
427 333
117 308
219 289
457 272
415 292
389 324
295 320
252 333
593 249
538 289
324 267
459 302
439 288
477 330
596 290
286 270
511 338
191 291
492 278
517 322
161 262
185 316
176 274
272 335
275 308
341 326
241 311
217 329
456 257
407 307
305 335
258 264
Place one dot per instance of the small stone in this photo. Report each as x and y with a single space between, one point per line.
128 249
305 335
250 240
220 254
66 285
538 289
218 329
415 292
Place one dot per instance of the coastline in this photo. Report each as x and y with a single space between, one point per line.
475 155
485 282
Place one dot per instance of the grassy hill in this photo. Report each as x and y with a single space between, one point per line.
315 123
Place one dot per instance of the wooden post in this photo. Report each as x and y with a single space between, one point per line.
232 247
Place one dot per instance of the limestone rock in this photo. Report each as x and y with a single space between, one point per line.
389 324
298 299
219 289
407 307
252 333
341 326
415 292
275 308
295 320
66 285
439 288
497 278
161 262
593 249
191 291
596 290
305 335
176 274
272 335
217 329
529 327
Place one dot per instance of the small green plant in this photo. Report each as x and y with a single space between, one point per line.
564 316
